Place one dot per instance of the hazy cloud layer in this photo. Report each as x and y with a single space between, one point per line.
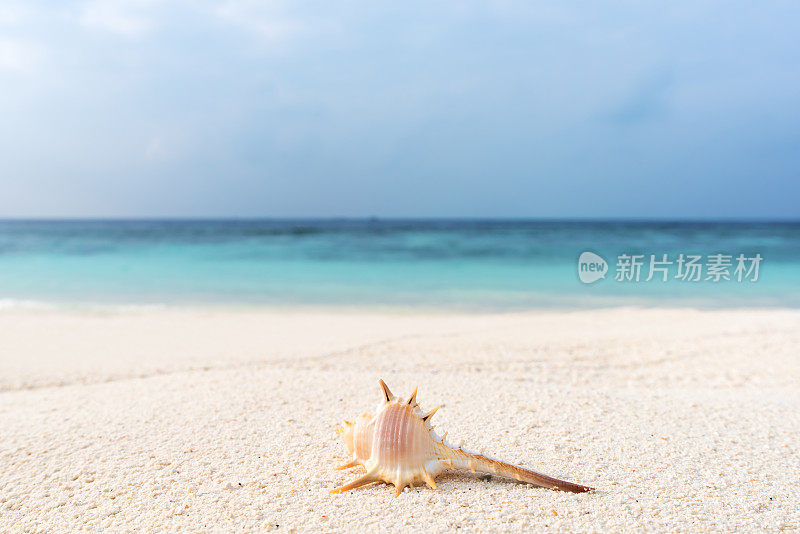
291 108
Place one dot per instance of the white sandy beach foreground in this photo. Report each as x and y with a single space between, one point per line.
202 420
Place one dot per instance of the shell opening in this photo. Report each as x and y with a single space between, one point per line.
345 429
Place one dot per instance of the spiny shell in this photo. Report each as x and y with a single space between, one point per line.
399 446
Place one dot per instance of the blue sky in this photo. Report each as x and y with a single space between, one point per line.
130 108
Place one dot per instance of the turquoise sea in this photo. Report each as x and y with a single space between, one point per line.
464 264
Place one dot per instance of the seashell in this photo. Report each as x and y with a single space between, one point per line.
398 445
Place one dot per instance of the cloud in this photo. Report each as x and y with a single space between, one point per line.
127 18
19 57
273 22
156 150
286 96
646 101
9 14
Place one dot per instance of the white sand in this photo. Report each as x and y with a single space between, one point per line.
220 420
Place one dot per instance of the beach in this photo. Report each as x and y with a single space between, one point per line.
219 419
251 251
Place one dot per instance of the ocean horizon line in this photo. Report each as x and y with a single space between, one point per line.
561 220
